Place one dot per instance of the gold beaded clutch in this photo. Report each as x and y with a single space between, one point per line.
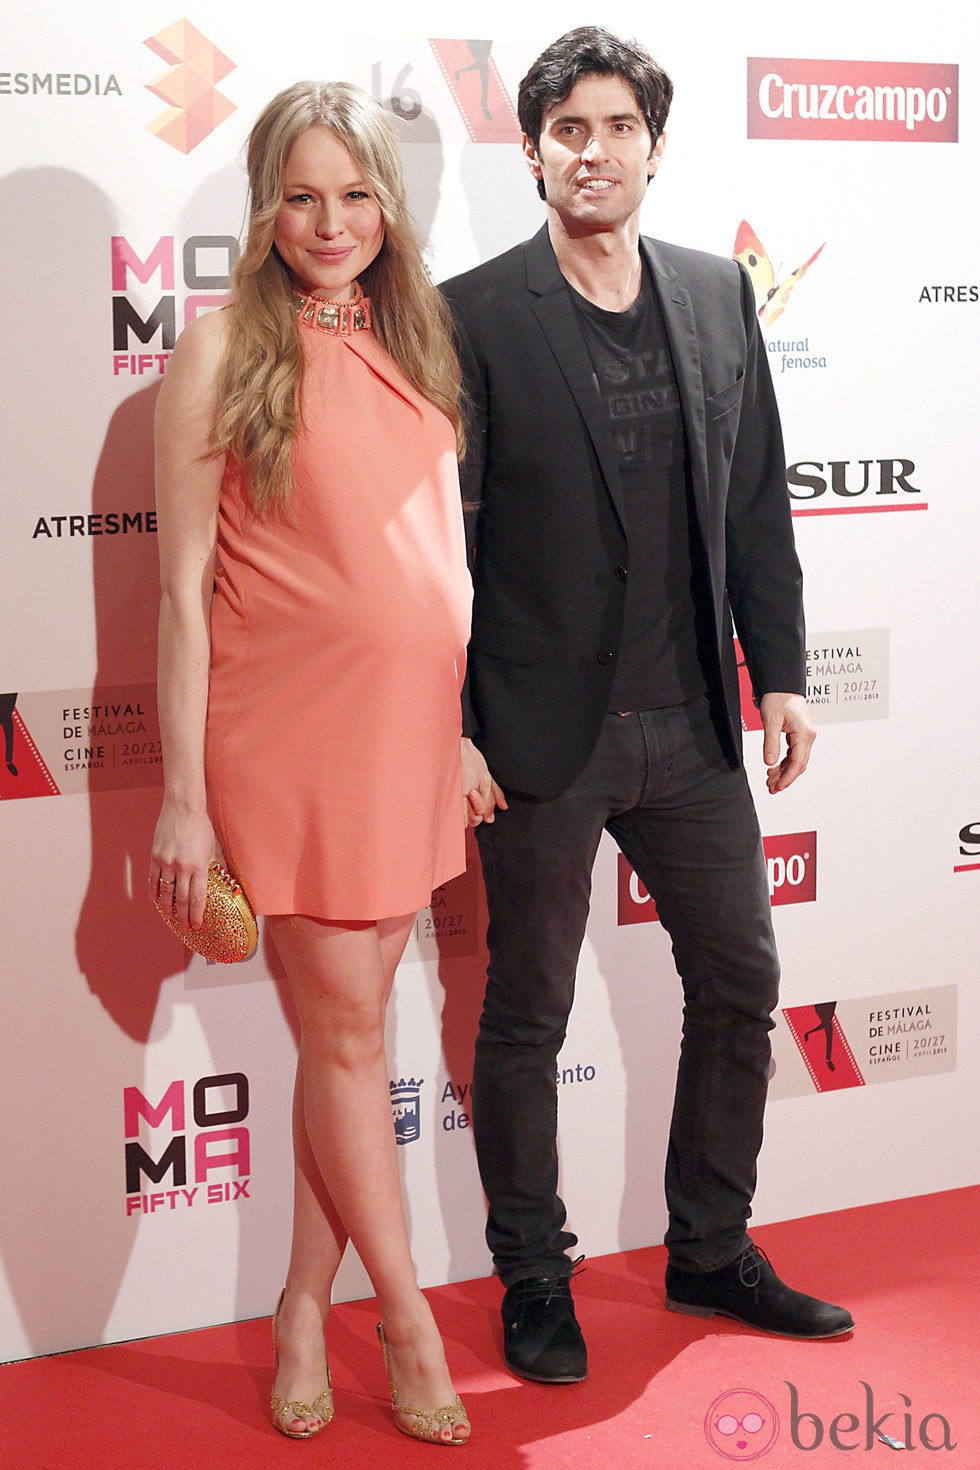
229 932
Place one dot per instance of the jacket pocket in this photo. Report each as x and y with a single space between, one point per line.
516 645
721 403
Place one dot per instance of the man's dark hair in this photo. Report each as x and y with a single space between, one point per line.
591 51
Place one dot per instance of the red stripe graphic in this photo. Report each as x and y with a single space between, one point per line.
472 77
33 777
860 510
823 1046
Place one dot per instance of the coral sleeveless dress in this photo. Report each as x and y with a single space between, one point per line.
338 642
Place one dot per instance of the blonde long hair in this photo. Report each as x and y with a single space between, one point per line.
261 373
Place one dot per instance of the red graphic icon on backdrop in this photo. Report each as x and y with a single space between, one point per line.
190 86
741 1424
751 718
771 295
823 1046
472 77
23 772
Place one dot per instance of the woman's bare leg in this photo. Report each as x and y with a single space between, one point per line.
318 1235
347 1181
318 1241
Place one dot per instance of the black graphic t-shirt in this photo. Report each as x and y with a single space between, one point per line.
658 657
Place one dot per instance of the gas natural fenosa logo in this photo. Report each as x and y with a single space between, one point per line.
771 294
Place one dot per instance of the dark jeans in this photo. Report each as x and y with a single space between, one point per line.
660 784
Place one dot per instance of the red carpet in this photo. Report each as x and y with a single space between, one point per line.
909 1271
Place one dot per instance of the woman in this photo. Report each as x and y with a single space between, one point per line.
314 617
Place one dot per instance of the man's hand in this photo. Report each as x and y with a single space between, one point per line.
481 794
785 714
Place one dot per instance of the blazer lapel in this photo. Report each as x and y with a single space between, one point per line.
553 307
685 349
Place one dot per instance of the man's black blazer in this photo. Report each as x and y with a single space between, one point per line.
548 547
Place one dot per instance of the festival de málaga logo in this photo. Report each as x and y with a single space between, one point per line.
59 742
826 1044
195 66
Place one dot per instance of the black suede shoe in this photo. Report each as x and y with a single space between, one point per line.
542 1338
750 1291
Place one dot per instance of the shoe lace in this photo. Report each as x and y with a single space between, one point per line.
544 1288
750 1264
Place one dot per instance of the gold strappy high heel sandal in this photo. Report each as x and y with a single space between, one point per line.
427 1426
285 1411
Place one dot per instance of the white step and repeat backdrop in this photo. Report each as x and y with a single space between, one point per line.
144 1165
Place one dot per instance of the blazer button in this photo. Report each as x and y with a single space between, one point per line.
622 573
605 656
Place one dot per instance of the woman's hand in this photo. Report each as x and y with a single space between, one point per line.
481 794
183 845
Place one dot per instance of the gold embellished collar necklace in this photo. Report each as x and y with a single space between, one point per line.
339 318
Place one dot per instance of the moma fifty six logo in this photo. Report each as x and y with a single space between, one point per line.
195 66
165 1141
872 101
182 280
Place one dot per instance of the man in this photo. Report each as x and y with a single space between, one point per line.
627 469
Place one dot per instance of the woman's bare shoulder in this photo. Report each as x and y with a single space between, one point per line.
203 341
192 371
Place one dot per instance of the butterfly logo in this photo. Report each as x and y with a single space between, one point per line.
770 296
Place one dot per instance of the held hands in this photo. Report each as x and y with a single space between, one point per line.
785 714
183 845
481 794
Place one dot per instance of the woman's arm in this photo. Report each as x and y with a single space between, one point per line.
188 483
